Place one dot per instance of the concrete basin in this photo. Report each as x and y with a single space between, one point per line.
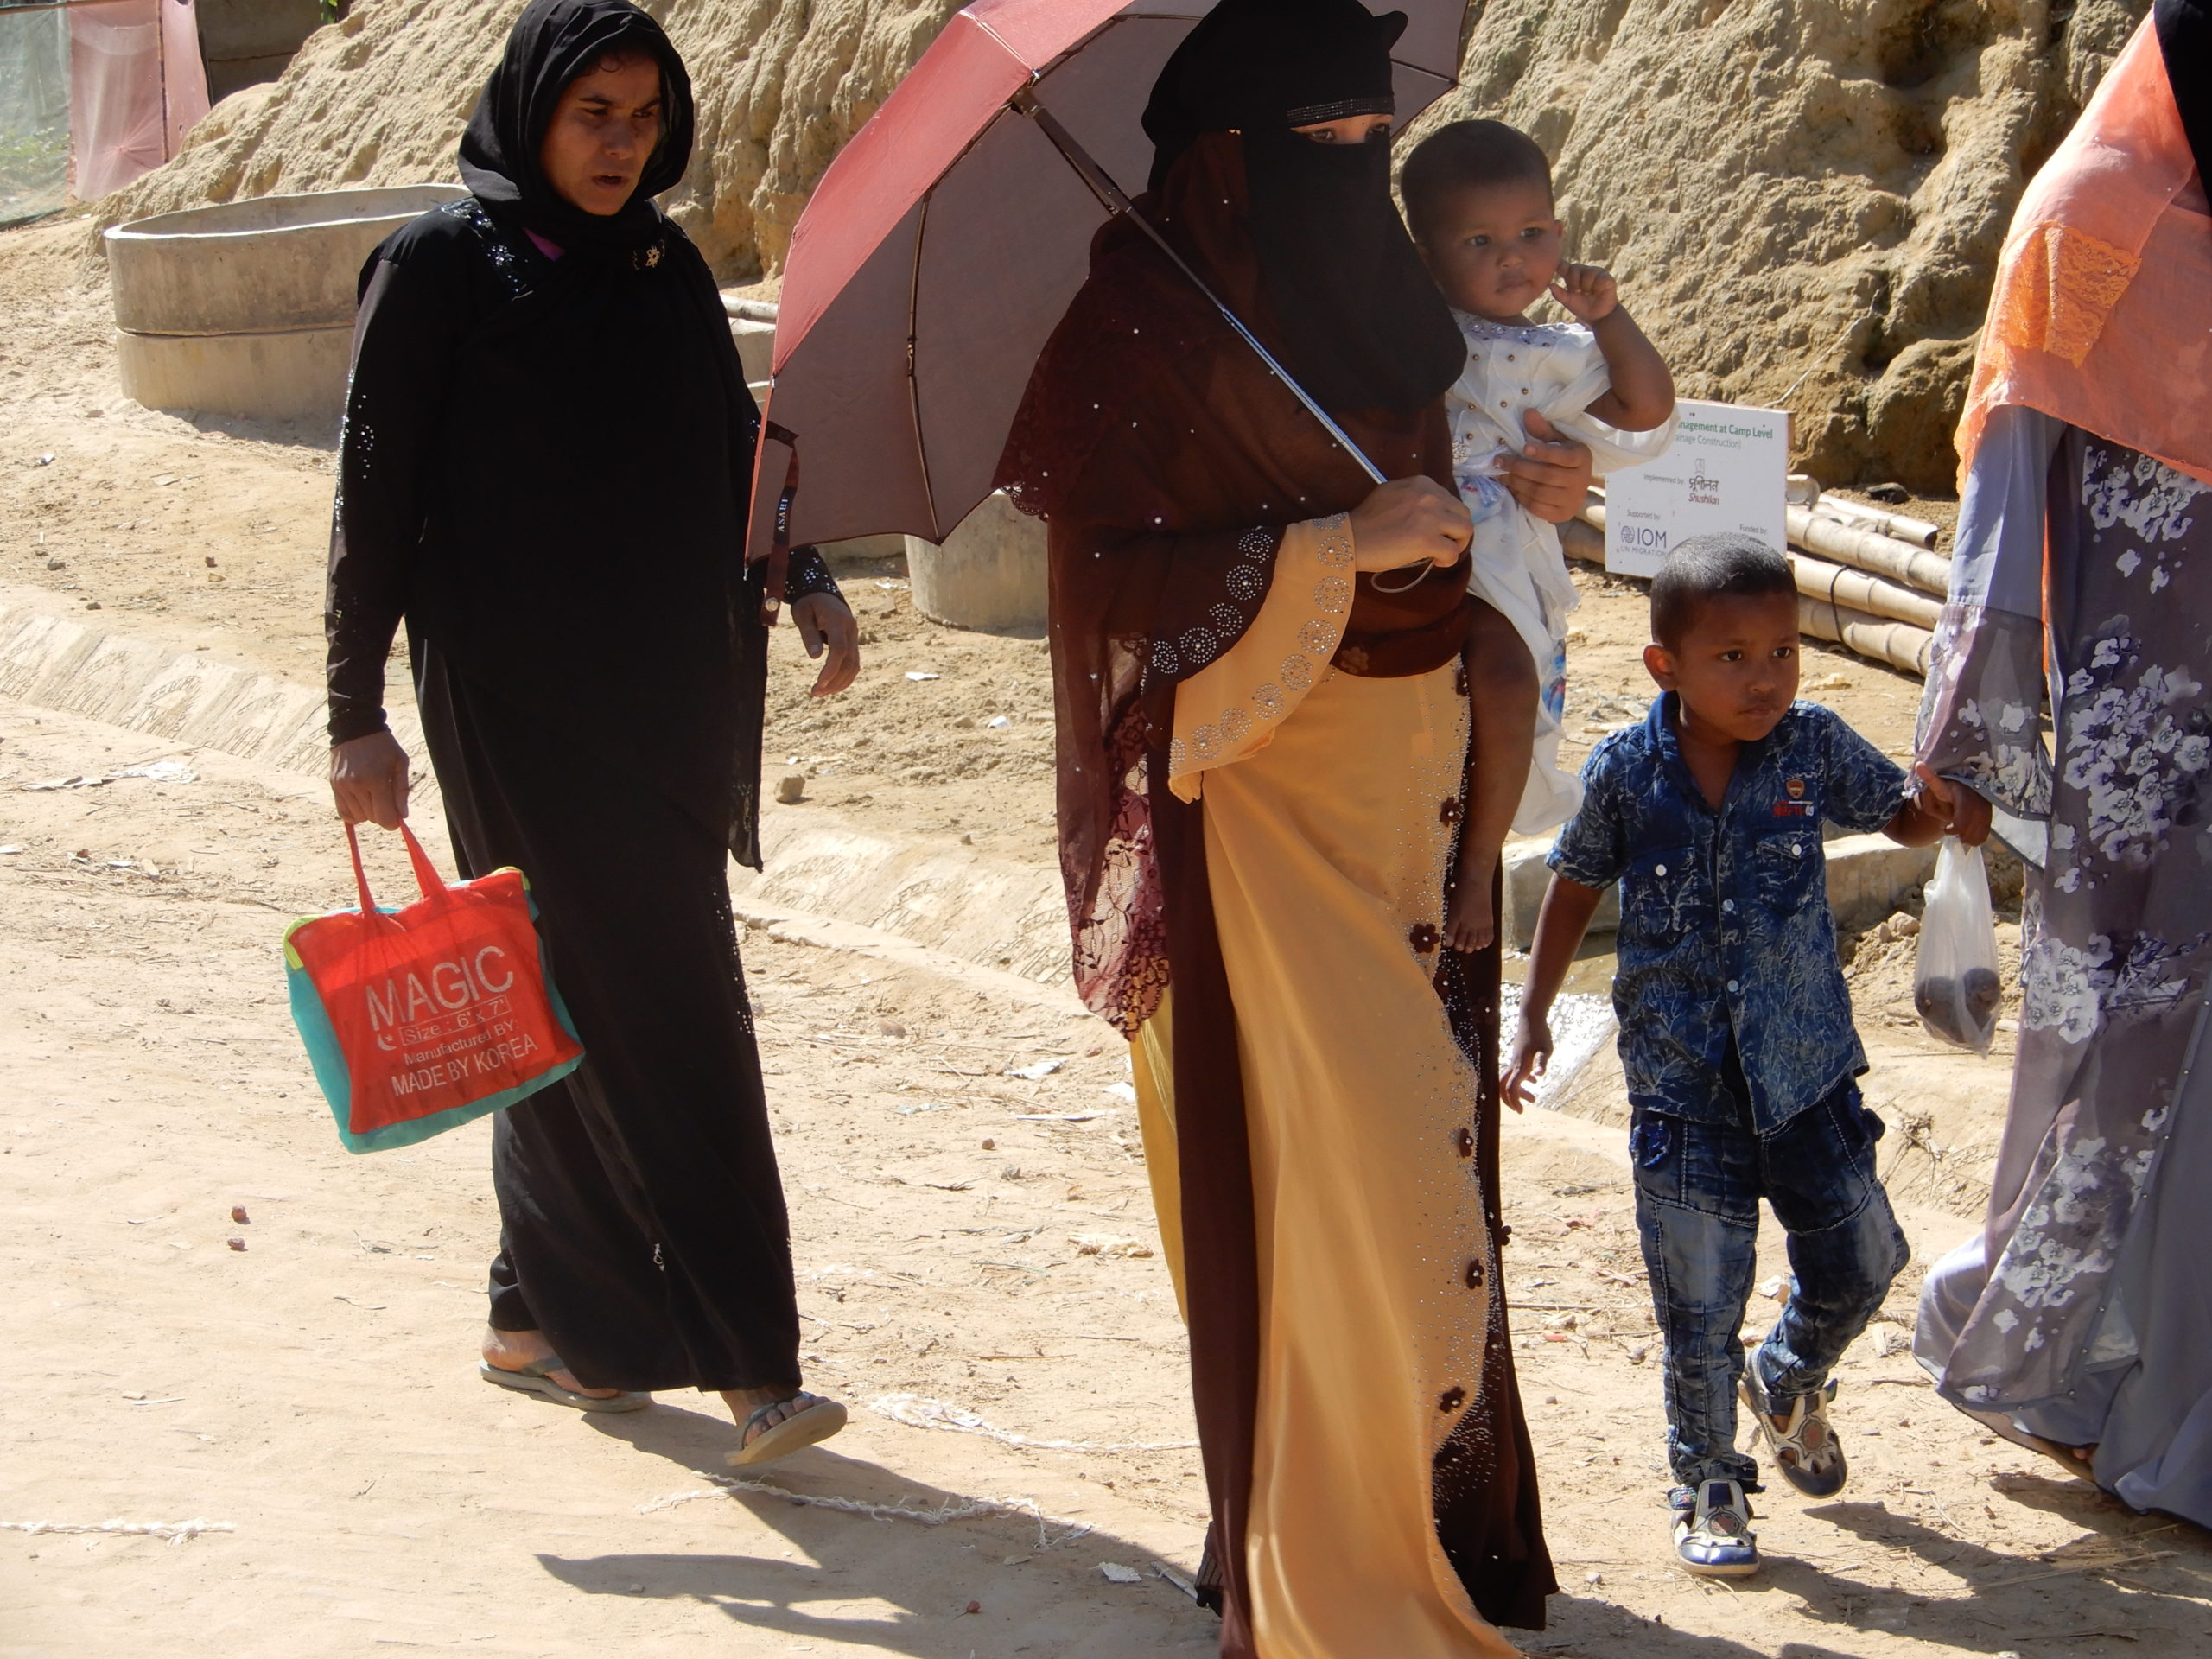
988 575
297 374
246 309
259 266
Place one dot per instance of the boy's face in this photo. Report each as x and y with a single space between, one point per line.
1735 666
1493 248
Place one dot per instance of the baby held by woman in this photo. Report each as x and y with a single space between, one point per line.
1479 200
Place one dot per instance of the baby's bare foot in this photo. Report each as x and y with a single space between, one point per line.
1469 925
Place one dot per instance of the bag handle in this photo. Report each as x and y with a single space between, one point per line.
361 875
426 873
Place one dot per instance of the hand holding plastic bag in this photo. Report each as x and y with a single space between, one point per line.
1955 986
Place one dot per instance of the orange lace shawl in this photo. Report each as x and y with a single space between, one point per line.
2102 311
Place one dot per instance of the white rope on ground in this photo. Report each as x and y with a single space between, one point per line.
915 1412
176 1532
952 1508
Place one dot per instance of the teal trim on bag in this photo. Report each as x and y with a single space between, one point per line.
335 1078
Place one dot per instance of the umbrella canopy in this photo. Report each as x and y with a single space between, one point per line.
946 241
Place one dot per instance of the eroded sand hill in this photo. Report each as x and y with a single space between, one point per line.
1806 197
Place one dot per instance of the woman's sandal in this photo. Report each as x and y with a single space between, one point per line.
809 1425
2076 1460
533 1378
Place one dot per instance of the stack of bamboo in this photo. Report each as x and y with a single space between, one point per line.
1869 580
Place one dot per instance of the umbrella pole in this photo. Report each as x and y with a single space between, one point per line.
1111 198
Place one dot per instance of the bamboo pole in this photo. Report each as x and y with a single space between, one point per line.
1832 604
1836 584
1863 549
1900 644
1880 520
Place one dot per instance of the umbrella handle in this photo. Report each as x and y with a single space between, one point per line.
1111 198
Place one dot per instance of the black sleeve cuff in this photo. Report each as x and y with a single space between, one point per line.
346 724
807 574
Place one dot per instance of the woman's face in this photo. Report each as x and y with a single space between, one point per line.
1352 129
603 132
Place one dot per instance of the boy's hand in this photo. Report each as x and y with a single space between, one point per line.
1530 1059
1587 291
1961 811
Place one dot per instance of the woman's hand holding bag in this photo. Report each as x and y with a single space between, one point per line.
368 780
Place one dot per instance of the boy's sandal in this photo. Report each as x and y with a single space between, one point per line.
1712 1532
809 1425
1807 1453
533 1378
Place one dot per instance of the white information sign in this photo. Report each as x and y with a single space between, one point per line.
1727 470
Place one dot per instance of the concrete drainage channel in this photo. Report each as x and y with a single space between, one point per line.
933 904
183 698
998 925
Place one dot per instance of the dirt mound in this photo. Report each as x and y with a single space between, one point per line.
381 98
1805 197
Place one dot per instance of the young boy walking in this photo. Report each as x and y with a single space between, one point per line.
1735 1024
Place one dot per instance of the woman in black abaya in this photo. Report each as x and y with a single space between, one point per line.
546 453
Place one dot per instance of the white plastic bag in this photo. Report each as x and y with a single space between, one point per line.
1954 984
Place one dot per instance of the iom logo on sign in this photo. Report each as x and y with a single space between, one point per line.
1706 491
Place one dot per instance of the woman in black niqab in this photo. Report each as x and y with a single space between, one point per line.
1262 754
1361 322
544 472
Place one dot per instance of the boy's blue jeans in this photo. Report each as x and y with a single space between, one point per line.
1698 1187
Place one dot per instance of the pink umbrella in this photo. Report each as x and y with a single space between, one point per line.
944 244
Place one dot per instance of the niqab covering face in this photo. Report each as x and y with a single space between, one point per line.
1361 322
552 43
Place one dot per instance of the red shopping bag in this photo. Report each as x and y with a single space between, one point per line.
418 1020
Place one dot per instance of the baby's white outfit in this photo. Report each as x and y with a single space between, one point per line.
1514 564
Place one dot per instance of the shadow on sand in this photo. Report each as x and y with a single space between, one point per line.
894 1585
1975 1600
898 1586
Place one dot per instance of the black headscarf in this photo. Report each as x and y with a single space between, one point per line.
1362 323
2185 41
551 43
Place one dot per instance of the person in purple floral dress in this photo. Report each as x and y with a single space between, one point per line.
2080 1319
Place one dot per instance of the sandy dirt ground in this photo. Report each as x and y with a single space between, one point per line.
975 1250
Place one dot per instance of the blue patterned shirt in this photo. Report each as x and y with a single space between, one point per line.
1725 922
